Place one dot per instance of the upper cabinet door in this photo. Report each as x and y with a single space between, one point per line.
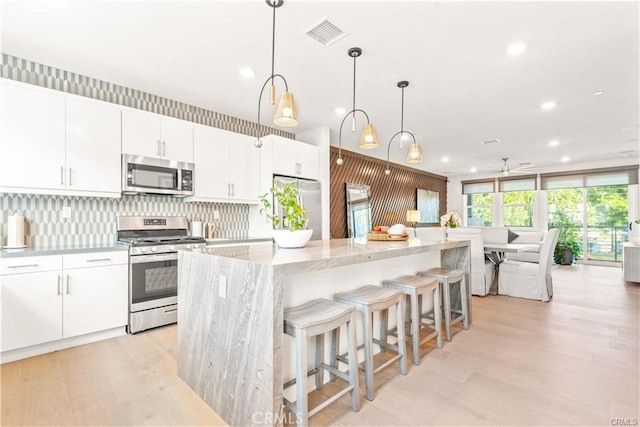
176 139
308 161
93 146
244 174
32 137
285 156
141 134
211 152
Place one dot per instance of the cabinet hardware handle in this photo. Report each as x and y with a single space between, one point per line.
233 189
163 148
158 148
99 259
171 310
59 285
22 266
70 177
68 284
61 175
228 188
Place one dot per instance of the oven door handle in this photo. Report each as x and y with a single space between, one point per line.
138 259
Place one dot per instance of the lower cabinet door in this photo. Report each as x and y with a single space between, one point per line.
31 306
95 299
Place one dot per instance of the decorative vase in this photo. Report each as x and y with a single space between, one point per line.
634 233
292 239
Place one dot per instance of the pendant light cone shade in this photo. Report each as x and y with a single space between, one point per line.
287 113
414 155
369 137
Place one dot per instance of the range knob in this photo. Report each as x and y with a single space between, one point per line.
144 249
188 246
154 249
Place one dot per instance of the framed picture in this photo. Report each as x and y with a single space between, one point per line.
429 206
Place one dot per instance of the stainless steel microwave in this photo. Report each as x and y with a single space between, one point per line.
147 175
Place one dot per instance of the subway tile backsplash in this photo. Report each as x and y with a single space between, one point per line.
93 220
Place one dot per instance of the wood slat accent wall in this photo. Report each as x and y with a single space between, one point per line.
391 195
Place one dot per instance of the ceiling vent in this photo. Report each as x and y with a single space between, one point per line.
489 141
325 32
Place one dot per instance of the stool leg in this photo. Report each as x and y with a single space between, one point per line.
302 411
334 351
465 303
319 376
447 308
402 345
353 362
415 329
368 356
384 327
437 315
407 316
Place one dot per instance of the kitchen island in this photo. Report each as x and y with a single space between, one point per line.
231 348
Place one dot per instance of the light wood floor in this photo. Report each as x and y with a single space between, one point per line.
572 361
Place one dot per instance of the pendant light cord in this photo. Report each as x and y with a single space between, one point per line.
273 44
353 106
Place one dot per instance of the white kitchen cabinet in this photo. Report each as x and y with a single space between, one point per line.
152 135
58 144
227 166
95 292
294 158
32 137
48 298
93 148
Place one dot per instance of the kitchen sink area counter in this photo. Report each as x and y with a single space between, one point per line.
231 349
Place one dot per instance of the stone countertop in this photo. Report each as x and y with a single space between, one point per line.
61 250
322 254
221 241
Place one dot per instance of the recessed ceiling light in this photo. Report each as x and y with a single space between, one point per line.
516 48
554 143
340 111
444 159
565 159
473 169
246 72
548 105
598 92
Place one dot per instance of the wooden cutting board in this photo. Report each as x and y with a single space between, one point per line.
384 236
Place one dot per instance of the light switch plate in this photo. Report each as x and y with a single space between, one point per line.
222 287
216 214
66 212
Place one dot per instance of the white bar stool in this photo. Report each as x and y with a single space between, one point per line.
415 288
448 277
367 300
315 318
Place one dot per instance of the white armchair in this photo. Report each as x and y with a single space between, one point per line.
528 279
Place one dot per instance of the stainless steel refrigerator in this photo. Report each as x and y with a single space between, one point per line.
309 193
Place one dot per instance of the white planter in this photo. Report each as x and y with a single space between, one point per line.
292 239
634 233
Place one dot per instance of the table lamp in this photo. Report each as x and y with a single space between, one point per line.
414 217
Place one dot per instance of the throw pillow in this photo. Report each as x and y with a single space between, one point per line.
512 236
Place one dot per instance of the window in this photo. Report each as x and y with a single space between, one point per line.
518 201
479 203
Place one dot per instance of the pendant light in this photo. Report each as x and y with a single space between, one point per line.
286 114
414 154
369 138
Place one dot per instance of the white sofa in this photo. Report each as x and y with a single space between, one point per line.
481 272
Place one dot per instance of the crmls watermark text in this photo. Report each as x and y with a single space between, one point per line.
270 418
624 421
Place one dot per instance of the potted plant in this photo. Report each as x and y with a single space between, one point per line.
290 230
566 252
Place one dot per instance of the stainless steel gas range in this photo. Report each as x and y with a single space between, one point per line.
154 243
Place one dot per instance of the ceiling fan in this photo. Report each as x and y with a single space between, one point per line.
506 169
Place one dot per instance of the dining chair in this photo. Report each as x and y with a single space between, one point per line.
527 279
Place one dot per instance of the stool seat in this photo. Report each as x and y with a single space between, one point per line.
368 295
415 287
367 300
447 277
313 313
